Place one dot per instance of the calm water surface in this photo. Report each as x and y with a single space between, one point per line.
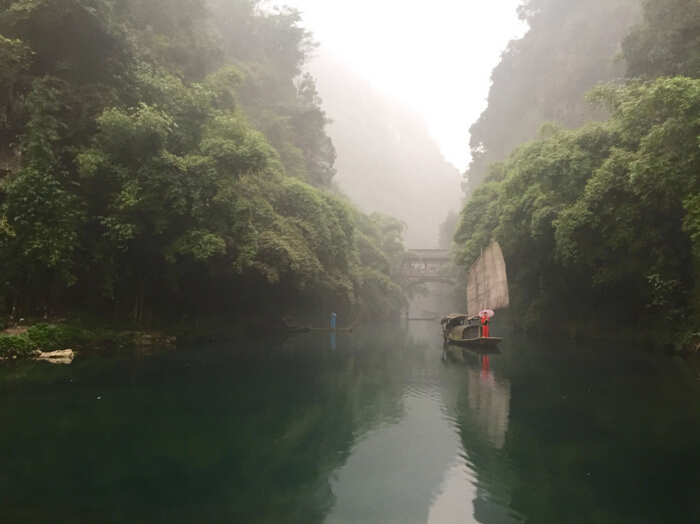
377 427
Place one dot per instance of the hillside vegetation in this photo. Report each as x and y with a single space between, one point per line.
600 225
166 159
571 46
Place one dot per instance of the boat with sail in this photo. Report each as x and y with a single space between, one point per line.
487 291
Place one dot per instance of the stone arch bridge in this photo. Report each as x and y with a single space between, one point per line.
427 266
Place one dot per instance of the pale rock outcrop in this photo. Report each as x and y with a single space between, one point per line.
55 357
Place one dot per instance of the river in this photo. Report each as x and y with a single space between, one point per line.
380 426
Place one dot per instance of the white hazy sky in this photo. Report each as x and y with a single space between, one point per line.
436 57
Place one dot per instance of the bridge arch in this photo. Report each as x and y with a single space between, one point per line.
426 265
429 279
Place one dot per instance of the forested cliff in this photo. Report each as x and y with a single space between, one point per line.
601 225
167 158
571 45
387 160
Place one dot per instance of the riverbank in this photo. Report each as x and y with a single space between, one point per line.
92 335
21 341
27 339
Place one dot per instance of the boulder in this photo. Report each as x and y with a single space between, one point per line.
57 357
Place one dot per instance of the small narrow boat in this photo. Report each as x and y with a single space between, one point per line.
487 290
335 330
292 326
462 330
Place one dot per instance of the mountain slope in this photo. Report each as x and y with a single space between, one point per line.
386 161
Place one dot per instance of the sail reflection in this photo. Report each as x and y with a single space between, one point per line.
489 402
433 457
455 503
482 408
488 397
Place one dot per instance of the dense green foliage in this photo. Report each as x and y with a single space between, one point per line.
171 160
601 223
570 47
666 42
600 226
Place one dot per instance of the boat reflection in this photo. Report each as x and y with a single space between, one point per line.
489 401
488 398
468 353
482 413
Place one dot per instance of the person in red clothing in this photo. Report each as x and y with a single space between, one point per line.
485 326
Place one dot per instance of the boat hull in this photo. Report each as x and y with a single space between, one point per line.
335 330
329 330
298 329
481 341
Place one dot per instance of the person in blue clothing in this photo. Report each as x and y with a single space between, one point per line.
333 320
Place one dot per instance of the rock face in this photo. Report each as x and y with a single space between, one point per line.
387 160
56 357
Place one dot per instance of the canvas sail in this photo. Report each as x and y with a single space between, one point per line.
488 284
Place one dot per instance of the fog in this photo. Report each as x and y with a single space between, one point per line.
387 161
436 58
403 96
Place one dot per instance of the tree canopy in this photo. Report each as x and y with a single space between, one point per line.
606 213
170 158
666 42
570 47
599 224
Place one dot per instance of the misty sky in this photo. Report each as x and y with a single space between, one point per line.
434 56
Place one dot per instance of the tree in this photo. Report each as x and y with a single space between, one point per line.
607 213
665 41
153 179
570 47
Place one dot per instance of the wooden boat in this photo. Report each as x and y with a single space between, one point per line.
292 327
298 329
335 330
462 330
487 288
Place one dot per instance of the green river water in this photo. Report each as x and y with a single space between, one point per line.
378 427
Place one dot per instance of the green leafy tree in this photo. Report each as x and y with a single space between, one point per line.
570 47
666 41
41 214
154 168
607 213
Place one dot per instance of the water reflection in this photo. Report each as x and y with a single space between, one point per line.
394 469
488 396
417 468
378 429
482 410
489 401
455 501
